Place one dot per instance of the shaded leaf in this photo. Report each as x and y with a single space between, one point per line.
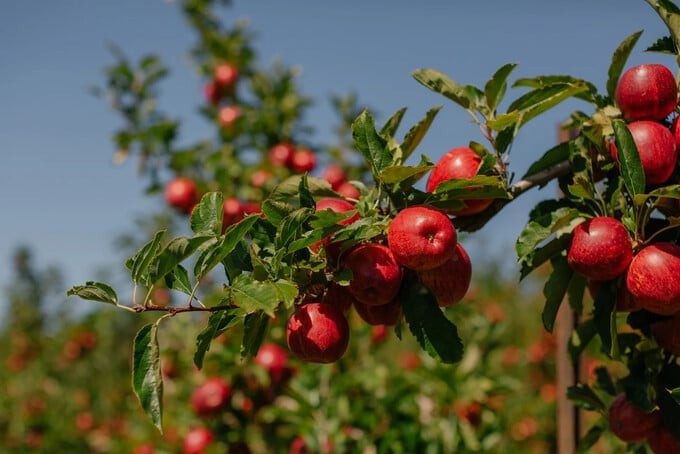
253 296
139 263
551 158
442 84
369 143
147 381
495 88
629 159
555 289
417 132
254 330
390 127
218 323
207 216
619 59
175 252
95 291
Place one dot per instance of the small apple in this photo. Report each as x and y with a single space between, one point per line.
210 397
348 191
663 442
197 440
653 280
338 296
303 160
181 193
410 360
84 421
335 175
667 334
260 177
318 332
273 359
145 448
385 314
629 422
251 208
656 147
647 92
281 154
379 334
228 115
461 162
600 249
338 206
212 93
451 281
225 75
376 274
422 238
232 212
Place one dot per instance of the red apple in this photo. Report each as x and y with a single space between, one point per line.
335 175
143 449
212 93
251 208
663 442
318 332
379 334
181 193
338 296
386 314
647 92
653 278
197 440
460 162
422 238
338 206
348 191
273 359
667 334
656 147
260 177
233 212
629 422
225 75
600 249
281 154
210 397
451 281
303 160
376 275
228 115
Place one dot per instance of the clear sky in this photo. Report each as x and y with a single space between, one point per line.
61 194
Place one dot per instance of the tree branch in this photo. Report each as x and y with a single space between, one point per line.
476 222
176 310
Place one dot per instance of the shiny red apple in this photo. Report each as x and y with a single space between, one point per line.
181 193
600 249
451 281
647 92
318 332
654 278
376 274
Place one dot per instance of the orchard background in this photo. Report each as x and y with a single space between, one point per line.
369 401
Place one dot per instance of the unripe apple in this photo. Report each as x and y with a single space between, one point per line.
181 193
260 177
629 422
233 212
228 115
303 160
663 442
318 332
225 75
338 296
385 314
338 206
656 147
273 359
376 275
667 334
335 175
348 191
210 397
281 154
600 249
460 162
212 93
422 238
451 281
653 278
197 440
647 92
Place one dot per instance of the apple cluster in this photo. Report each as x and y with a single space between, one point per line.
633 425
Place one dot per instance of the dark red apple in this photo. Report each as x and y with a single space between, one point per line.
233 212
212 93
210 397
251 208
338 296
647 92
654 278
181 193
663 442
338 206
656 147
379 334
376 274
303 160
667 334
348 191
629 422
422 238
460 162
225 75
228 115
318 332
600 249
197 440
273 359
385 314
451 281
281 154
335 175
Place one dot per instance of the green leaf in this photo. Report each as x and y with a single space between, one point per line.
583 396
290 187
589 94
218 323
629 159
670 413
619 59
147 381
173 254
604 307
286 292
369 143
442 84
540 100
253 296
390 127
305 196
504 121
276 211
555 289
206 219
292 227
254 330
542 227
589 439
495 88
551 158
95 291
670 14
666 192
178 279
139 263
397 174
478 187
417 132
580 338
664 45
433 331
541 255
212 256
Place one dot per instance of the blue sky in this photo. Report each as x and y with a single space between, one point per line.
62 195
